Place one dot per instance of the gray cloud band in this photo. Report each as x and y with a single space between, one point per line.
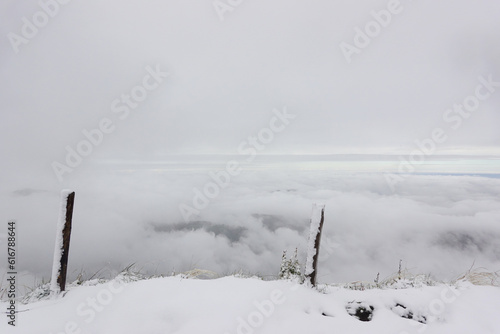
454 117
221 179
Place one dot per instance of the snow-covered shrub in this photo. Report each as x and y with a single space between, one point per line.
290 268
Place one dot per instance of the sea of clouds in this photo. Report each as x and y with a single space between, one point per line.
436 224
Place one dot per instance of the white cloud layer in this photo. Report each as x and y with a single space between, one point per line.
436 224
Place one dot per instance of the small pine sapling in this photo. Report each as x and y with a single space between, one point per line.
290 268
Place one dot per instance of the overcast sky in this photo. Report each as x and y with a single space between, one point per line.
230 71
226 76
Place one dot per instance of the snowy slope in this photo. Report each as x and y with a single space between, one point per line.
236 305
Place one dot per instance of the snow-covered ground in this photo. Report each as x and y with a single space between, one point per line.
249 305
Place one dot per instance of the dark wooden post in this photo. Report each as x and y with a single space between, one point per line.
317 219
63 235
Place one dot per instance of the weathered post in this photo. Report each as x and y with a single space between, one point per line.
61 249
317 219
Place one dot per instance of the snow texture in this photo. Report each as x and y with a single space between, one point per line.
313 232
234 305
58 248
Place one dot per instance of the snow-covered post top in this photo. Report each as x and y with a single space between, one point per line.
61 248
317 218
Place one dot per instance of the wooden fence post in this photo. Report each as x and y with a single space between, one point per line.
61 249
317 219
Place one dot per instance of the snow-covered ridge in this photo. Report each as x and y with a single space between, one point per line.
132 303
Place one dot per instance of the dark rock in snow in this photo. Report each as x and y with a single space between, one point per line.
404 312
360 310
